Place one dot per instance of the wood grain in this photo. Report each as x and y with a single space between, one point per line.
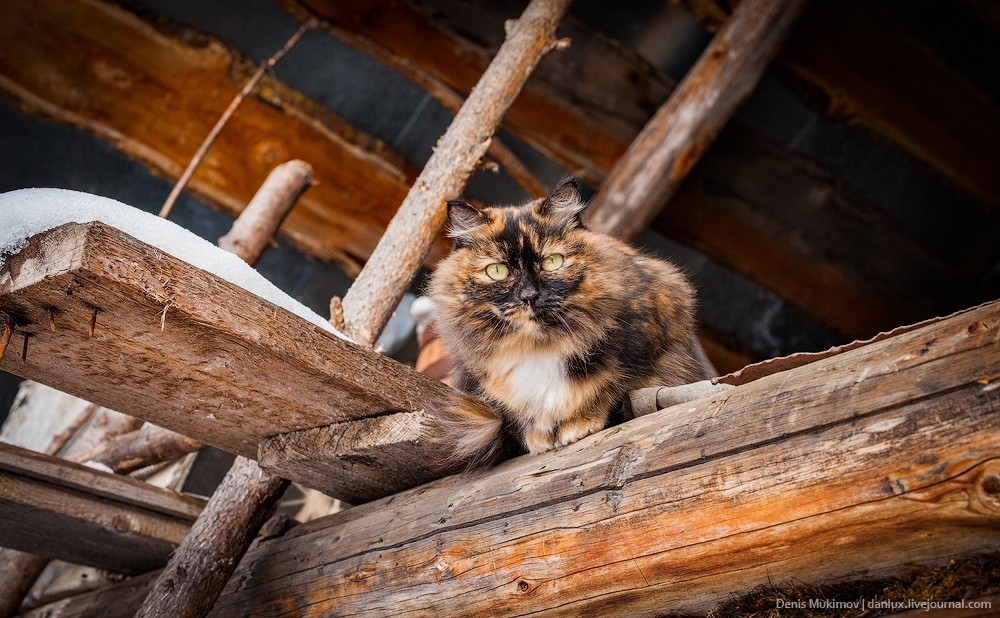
795 476
666 149
57 509
228 369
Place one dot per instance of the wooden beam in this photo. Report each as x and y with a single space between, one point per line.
666 149
57 509
227 368
794 476
142 88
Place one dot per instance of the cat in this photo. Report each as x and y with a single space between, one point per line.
551 324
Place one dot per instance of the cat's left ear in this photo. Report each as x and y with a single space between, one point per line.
565 203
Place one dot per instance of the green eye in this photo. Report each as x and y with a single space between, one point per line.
497 272
552 262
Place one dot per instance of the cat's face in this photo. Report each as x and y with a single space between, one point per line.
518 269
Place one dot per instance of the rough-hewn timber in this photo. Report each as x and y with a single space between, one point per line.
227 368
57 509
794 476
673 140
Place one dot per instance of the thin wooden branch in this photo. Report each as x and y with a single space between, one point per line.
406 242
226 115
682 129
252 232
146 446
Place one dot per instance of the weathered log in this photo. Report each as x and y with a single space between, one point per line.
144 447
408 239
681 130
197 572
201 375
57 509
254 229
791 477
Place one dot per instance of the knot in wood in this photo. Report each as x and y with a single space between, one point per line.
523 586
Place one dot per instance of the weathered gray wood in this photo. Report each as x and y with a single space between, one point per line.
408 239
143 447
228 368
357 461
794 476
681 130
57 509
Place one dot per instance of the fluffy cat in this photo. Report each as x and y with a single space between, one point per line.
551 325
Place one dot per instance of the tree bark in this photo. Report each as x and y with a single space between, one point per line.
682 129
202 565
406 242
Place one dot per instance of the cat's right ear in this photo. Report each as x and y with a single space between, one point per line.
463 219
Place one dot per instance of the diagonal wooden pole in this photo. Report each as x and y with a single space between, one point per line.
656 163
395 262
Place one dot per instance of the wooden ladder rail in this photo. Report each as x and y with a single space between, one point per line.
200 568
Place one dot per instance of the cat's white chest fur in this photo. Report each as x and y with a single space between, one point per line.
537 384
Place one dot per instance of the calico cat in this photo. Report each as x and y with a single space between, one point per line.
551 324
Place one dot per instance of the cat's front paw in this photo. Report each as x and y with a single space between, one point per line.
539 441
577 428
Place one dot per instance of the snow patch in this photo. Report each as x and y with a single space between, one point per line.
27 212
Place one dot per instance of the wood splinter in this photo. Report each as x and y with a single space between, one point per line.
163 317
93 324
52 319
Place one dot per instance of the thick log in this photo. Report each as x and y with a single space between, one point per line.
408 239
57 509
154 96
792 477
202 373
682 129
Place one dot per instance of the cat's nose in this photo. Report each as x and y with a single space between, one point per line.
529 293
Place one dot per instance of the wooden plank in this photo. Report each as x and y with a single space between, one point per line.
57 509
792 477
155 97
673 140
227 368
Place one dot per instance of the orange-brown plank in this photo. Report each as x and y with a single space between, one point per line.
156 96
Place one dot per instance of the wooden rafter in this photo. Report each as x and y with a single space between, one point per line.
793 476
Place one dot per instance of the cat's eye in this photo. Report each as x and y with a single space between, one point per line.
497 272
552 262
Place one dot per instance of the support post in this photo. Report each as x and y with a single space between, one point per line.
656 163
406 242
